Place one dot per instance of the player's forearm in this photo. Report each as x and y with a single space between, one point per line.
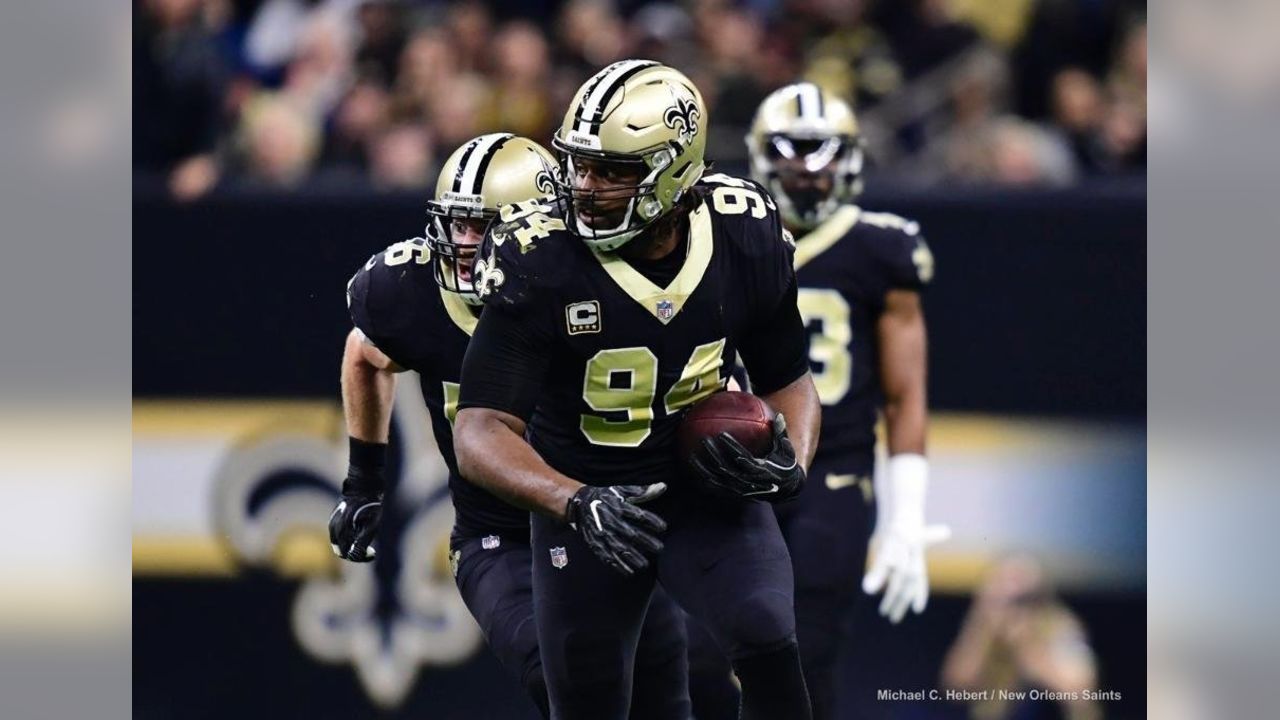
906 420
368 393
903 370
799 403
492 454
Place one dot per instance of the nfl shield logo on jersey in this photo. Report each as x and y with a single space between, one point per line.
559 558
666 309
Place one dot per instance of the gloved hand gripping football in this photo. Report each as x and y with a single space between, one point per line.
728 469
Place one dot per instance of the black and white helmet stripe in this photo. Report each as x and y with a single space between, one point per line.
809 102
590 112
470 173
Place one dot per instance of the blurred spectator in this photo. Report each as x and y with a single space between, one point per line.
851 57
178 82
1001 22
457 114
591 36
1078 112
362 113
1021 153
728 76
663 31
926 33
1125 129
277 29
279 141
1019 636
519 103
321 71
429 63
382 38
401 157
470 27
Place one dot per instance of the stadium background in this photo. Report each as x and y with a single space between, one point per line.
277 144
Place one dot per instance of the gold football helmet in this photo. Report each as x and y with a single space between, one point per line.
645 119
806 150
479 178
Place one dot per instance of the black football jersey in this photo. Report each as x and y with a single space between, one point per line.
845 267
395 301
618 358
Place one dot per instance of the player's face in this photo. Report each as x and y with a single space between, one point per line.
806 168
604 189
467 233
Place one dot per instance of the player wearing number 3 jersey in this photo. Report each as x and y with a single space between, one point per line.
608 312
860 275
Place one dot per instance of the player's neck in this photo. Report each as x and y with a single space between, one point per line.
659 241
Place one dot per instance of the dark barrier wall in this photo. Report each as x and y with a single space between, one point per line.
1039 303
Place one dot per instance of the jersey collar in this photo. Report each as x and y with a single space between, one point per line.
459 312
821 238
665 303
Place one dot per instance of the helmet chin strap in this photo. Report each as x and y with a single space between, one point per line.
613 241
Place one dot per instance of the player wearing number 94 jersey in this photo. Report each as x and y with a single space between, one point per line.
613 310
415 307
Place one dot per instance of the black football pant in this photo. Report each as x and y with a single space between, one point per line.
827 530
725 563
496 583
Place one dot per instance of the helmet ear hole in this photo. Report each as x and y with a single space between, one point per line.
679 174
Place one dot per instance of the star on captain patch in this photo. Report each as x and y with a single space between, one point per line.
666 309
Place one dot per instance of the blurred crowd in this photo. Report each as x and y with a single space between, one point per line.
278 93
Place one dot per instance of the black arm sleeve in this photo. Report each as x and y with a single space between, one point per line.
776 353
507 360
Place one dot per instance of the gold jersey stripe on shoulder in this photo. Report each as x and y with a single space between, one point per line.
665 303
821 238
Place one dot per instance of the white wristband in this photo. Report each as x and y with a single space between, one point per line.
908 476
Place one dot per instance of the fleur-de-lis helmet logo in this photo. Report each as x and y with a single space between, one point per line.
683 117
547 177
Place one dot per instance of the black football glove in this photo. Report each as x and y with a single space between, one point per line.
353 524
618 531
729 470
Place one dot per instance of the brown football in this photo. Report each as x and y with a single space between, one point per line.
743 415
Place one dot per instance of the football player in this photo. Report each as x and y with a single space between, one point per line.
607 314
860 275
415 307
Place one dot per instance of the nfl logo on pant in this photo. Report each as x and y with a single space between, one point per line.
490 542
559 558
